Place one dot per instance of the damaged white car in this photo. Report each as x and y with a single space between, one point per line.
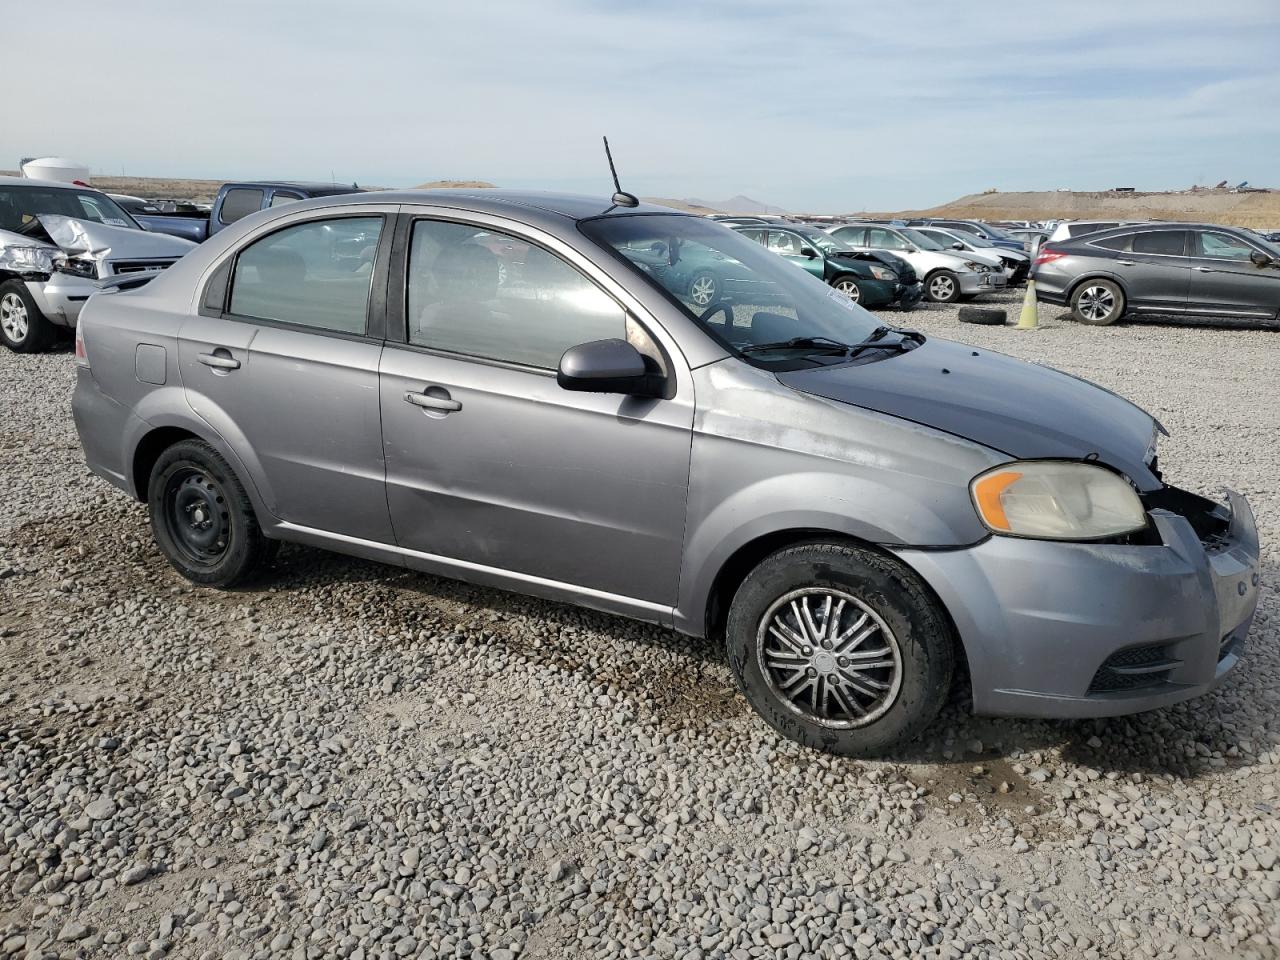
59 243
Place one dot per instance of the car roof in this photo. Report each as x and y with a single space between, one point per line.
568 206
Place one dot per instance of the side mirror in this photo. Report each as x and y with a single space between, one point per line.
1260 259
957 245
809 252
608 366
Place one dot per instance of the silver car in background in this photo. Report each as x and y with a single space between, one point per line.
948 275
852 509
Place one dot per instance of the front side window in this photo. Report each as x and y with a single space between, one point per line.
737 291
315 274
239 202
786 244
480 293
1168 243
1223 246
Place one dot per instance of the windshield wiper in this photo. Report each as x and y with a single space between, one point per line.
825 344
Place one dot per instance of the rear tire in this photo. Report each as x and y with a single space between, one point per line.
23 327
1098 303
942 287
202 518
840 648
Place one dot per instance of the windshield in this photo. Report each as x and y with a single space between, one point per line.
733 287
921 240
21 204
995 233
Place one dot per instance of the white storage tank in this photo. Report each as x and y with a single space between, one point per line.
55 168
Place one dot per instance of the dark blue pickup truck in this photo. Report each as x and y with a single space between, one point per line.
234 201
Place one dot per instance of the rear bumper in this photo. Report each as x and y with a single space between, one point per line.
101 422
1092 630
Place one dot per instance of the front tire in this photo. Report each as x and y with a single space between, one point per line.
1098 303
942 287
849 287
23 327
840 648
202 518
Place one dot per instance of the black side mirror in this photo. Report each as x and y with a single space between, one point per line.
608 366
1260 259
809 252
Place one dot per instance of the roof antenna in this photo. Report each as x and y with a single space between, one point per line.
620 197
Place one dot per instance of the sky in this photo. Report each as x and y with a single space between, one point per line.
808 106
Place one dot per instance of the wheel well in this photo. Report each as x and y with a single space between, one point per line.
748 556
148 452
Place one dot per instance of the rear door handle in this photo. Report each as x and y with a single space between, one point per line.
1127 263
428 402
219 360
1206 270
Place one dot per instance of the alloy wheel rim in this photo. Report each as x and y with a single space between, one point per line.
849 289
941 287
702 291
13 317
829 657
1096 303
198 517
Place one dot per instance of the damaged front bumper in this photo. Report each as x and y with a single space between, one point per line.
1056 629
61 297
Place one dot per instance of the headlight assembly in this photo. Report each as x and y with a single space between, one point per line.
881 273
76 267
1056 500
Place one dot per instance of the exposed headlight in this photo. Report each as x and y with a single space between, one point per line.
975 266
1056 500
76 267
884 273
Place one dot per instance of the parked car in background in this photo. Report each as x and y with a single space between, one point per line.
1015 264
1180 269
1031 237
187 225
850 509
861 276
1069 229
58 241
994 235
948 275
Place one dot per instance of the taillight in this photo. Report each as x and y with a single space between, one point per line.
82 355
1048 255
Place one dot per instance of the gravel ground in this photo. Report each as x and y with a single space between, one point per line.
357 761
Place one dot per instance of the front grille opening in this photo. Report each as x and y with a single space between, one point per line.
1233 642
1210 520
1134 668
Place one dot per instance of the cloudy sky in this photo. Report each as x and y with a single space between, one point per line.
835 106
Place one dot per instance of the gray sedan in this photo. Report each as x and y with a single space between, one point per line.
853 510
1177 269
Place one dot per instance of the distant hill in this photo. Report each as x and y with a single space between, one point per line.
687 205
1249 209
738 204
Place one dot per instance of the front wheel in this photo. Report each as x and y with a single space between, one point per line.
202 518
704 288
1098 303
23 327
840 648
848 286
943 287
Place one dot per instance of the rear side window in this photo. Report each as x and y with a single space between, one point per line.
484 294
238 203
1223 246
1122 243
854 236
1169 243
315 274
756 235
279 199
885 240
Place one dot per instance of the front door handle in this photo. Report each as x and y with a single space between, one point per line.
219 360
1126 263
428 402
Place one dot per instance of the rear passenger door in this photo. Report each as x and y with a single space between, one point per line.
1155 270
494 468
1225 281
282 363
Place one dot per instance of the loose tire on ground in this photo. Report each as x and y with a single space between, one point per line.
879 593
984 316
23 327
202 518
1098 303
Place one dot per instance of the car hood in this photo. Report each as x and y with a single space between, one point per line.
83 238
1021 409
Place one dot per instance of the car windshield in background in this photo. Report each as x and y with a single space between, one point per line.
21 205
733 287
921 240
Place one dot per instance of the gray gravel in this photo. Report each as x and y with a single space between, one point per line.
356 761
